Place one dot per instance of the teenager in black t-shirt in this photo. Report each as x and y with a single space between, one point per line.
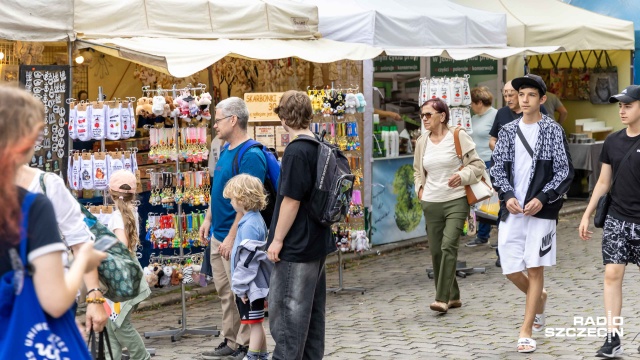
621 233
297 243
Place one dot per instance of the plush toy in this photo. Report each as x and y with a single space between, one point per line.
140 110
350 103
361 103
158 105
157 270
205 103
338 105
150 276
362 241
165 280
326 107
175 277
187 273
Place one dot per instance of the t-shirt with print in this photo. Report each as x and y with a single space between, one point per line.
307 240
41 240
625 197
505 116
222 213
522 164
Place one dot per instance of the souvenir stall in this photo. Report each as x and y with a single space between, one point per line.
160 40
409 29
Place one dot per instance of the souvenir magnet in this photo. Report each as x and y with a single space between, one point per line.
60 153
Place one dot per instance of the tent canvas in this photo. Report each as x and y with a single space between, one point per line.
619 9
551 22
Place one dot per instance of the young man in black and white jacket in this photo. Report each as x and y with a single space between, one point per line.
532 171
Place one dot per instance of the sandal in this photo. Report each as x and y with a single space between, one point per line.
455 304
538 323
522 342
439 306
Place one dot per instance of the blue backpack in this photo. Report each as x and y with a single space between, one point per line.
271 178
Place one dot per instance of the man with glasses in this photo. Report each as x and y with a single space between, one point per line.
221 221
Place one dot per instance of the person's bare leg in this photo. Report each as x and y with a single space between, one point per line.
521 281
536 283
613 276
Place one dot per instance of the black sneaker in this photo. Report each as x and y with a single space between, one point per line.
498 263
221 352
476 242
493 246
610 349
239 354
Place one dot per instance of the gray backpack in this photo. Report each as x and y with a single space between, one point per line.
331 196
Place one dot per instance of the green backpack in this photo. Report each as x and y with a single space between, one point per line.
120 272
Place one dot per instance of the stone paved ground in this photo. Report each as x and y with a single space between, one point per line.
392 320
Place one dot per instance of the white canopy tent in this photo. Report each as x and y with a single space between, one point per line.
180 38
552 22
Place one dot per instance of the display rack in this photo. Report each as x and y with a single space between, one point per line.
340 130
177 333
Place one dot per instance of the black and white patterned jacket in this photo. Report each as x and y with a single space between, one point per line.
552 170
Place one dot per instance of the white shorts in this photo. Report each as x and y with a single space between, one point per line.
526 242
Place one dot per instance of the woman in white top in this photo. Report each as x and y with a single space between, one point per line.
439 183
73 230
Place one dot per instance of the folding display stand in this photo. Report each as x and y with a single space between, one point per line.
177 333
340 287
461 270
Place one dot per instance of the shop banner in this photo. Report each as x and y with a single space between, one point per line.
50 84
477 65
261 105
390 64
396 213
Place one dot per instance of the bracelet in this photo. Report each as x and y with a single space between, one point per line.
97 300
92 290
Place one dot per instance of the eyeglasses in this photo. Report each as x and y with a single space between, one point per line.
226 117
427 115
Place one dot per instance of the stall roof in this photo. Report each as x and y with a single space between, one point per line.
551 22
419 28
183 57
41 20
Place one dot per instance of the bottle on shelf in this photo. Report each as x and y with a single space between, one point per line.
386 141
395 141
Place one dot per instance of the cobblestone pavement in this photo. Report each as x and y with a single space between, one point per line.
392 319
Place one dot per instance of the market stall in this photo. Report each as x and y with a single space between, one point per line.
413 29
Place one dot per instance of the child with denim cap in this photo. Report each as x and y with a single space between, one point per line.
250 266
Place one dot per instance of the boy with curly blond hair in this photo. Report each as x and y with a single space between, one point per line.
250 266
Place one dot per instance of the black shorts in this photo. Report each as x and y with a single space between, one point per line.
620 242
251 313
